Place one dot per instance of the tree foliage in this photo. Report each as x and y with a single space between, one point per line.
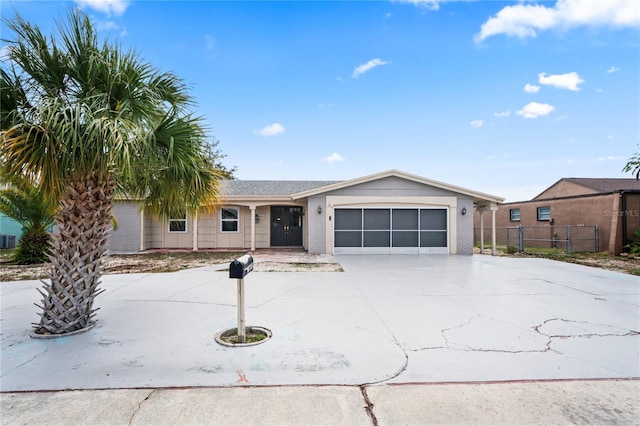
633 166
84 119
73 105
28 205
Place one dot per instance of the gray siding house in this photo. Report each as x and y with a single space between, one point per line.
388 212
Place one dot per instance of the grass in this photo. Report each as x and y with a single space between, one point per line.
250 336
6 255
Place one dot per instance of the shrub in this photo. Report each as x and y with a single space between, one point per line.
634 246
34 247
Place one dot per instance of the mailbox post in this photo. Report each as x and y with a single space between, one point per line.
238 269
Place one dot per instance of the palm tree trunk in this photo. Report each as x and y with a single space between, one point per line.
76 263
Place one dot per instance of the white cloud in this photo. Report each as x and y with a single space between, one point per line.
502 114
612 70
106 25
110 7
210 42
526 20
361 69
427 4
569 81
535 110
599 90
502 156
609 158
476 123
4 53
270 130
333 158
325 106
531 88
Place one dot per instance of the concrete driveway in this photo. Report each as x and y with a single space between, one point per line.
386 319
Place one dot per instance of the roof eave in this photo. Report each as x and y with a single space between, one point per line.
257 198
477 196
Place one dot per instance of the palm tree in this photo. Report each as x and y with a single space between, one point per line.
83 120
28 205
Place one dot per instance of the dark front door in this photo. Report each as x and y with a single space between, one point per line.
286 226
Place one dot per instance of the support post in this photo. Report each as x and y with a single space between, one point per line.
493 230
241 322
481 211
142 230
194 237
252 212
520 239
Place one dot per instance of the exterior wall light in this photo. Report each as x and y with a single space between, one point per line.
319 209
464 211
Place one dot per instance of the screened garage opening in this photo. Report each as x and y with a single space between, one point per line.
391 230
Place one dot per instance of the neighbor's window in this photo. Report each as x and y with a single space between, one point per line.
230 219
544 213
514 215
178 224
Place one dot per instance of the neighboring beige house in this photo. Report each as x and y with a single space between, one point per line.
612 204
388 212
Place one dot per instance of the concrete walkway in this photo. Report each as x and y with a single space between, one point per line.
384 325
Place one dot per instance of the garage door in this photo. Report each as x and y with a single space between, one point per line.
391 230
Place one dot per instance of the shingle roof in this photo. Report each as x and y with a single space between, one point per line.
272 187
607 184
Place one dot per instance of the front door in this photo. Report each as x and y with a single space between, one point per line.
286 226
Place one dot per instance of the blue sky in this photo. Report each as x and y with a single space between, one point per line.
496 96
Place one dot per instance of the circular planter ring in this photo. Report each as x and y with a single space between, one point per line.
234 331
35 335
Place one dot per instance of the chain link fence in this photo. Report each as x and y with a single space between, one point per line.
572 238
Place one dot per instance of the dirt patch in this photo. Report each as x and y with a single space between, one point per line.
168 262
625 264
297 267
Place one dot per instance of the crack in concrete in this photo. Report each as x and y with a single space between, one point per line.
368 407
621 333
278 296
471 349
461 347
582 335
537 329
137 410
30 360
394 339
178 301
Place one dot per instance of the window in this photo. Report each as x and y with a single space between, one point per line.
514 215
230 219
544 213
178 224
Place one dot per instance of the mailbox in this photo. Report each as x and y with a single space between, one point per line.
240 267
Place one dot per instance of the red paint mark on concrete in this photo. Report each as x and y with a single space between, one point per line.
241 377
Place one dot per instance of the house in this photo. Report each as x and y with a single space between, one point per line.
388 212
611 204
10 232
